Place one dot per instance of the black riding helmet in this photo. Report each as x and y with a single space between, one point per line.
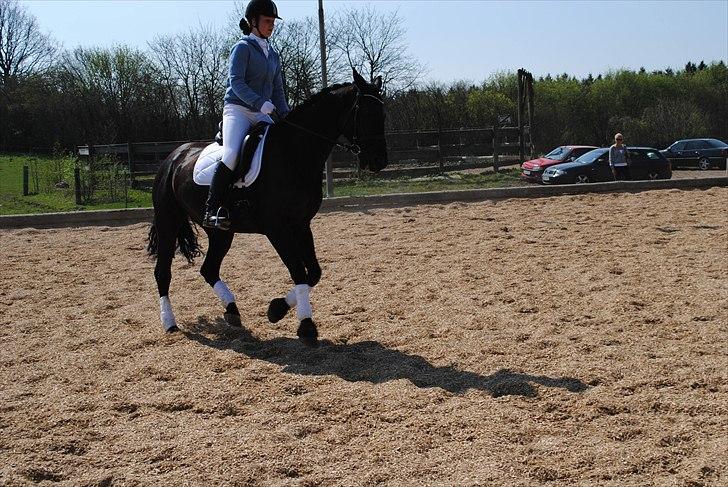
261 7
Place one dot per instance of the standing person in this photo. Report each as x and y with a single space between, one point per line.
254 90
618 159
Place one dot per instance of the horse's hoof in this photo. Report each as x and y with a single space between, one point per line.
232 315
277 309
233 320
172 329
307 333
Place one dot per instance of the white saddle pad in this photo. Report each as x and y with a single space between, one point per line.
212 154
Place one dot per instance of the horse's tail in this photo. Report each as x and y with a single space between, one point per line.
170 219
187 243
152 241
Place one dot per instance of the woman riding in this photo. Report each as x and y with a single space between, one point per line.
254 90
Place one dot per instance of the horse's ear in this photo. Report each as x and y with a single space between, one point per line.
378 83
358 80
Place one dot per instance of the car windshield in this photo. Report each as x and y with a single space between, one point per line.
590 156
717 143
557 154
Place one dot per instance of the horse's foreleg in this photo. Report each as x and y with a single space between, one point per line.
219 245
288 249
308 252
279 307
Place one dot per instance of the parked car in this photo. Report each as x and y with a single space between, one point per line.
533 170
701 153
644 163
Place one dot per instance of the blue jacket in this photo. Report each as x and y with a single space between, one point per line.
254 78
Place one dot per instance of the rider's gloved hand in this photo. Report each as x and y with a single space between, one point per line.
267 108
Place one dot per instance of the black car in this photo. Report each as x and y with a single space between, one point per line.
644 163
703 153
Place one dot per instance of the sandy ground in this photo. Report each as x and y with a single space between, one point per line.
569 340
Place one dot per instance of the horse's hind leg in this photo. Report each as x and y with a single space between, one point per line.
219 246
166 243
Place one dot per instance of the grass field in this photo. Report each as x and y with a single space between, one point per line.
46 198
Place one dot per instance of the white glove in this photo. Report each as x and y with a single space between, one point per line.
267 108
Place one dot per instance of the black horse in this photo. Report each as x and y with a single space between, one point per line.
279 204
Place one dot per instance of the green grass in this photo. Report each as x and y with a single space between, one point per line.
448 181
50 199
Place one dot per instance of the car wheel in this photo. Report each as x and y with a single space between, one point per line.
704 164
653 175
581 179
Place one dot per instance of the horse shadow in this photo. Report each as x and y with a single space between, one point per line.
368 361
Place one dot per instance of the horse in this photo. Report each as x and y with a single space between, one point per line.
280 204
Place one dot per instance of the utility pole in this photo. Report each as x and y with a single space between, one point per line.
324 82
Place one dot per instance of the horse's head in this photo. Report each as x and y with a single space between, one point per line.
367 129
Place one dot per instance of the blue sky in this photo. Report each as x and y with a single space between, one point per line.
455 39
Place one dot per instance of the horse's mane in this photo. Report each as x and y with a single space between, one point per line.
317 97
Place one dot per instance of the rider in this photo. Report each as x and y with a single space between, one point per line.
254 89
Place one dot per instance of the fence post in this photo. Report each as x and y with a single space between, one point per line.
439 151
25 180
496 148
77 184
521 140
129 162
529 91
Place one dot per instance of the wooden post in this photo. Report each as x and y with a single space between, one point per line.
521 138
496 148
440 165
130 161
325 82
25 180
529 91
77 184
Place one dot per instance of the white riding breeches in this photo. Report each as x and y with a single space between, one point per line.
236 121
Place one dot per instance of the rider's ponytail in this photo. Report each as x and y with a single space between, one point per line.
245 27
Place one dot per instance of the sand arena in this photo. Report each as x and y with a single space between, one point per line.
559 340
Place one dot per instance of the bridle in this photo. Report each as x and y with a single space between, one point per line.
354 146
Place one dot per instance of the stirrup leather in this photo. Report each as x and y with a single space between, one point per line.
219 220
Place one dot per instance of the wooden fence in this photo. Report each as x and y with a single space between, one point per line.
417 153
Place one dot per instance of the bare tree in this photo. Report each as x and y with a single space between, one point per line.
374 43
193 68
297 44
24 49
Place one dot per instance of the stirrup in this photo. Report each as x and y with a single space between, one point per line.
219 221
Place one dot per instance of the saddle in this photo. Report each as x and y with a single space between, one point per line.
250 144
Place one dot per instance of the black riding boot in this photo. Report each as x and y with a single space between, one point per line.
216 215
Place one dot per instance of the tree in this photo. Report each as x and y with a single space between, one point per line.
485 106
24 49
374 44
193 68
115 94
298 46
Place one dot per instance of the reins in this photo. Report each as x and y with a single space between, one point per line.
353 148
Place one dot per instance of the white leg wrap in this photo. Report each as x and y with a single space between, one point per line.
223 292
166 313
291 298
303 303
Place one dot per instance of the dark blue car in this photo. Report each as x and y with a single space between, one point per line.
592 167
700 153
